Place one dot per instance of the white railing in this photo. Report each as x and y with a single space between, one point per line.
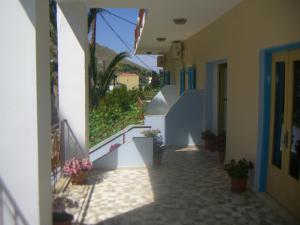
10 214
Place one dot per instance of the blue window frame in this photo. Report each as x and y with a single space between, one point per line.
167 77
192 78
182 81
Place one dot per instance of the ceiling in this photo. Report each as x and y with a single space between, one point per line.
160 15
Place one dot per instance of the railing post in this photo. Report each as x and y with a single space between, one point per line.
15 216
62 143
123 138
1 206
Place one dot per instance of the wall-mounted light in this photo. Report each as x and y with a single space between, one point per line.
180 21
161 39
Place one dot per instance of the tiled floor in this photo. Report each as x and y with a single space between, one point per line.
189 188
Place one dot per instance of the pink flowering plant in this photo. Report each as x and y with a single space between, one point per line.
114 147
75 166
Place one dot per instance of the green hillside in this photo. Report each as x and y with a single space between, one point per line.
105 56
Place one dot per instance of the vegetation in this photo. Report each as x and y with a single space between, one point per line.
116 111
238 169
103 78
109 111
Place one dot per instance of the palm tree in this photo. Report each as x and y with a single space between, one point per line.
104 78
92 28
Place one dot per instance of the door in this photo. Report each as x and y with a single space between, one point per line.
222 99
283 181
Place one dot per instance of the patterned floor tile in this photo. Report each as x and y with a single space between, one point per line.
189 188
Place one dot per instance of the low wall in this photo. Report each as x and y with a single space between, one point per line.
120 137
184 122
136 153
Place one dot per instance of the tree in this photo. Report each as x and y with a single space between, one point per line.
92 28
104 78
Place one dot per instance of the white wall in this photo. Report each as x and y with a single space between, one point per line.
163 101
184 122
136 153
72 68
25 106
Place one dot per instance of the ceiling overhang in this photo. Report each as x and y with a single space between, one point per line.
159 18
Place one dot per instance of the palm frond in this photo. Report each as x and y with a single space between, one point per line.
103 78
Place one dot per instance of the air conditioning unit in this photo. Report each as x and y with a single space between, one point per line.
177 48
161 61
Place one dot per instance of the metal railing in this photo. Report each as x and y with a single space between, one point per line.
10 213
64 146
103 148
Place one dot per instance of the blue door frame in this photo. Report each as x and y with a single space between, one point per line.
265 110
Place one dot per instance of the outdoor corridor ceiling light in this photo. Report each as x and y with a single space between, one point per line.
180 21
161 39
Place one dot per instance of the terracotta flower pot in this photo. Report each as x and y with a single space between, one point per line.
62 218
238 185
80 178
221 156
157 158
209 144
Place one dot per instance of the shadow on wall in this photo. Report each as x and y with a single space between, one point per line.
69 143
162 101
184 121
9 205
136 153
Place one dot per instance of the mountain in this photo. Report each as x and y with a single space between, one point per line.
105 55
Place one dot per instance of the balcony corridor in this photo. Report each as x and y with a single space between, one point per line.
189 188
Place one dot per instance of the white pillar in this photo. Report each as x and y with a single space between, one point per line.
25 106
72 69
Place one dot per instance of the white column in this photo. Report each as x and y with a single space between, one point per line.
25 106
72 69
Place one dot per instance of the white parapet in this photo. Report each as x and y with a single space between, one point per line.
135 153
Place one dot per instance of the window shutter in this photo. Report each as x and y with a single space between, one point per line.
167 78
182 81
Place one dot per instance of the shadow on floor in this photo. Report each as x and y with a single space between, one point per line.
190 187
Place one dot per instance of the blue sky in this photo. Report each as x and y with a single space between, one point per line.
107 38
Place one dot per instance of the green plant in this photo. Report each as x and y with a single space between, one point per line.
157 138
208 135
238 169
151 132
117 110
101 81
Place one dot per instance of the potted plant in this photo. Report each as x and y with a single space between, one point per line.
114 147
157 145
238 172
209 140
297 147
59 215
220 146
77 169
